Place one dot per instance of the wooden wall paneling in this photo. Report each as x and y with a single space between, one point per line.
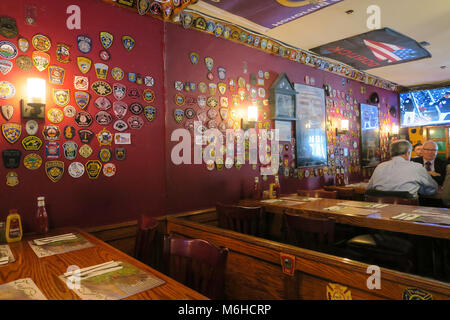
260 254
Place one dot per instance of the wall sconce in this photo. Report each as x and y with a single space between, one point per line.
395 129
343 127
252 117
394 132
33 106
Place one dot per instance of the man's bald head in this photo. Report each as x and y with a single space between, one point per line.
429 150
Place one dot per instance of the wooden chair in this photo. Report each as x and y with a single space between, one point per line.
394 197
310 233
384 249
393 200
248 220
345 193
144 249
319 193
196 263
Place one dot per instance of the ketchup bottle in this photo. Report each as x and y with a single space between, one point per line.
41 216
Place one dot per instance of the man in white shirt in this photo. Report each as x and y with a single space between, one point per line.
401 174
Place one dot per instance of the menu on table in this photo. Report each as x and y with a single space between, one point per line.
299 198
362 204
433 211
62 246
114 285
434 219
350 210
280 202
425 217
406 216
6 256
22 289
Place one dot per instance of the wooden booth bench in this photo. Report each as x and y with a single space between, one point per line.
254 268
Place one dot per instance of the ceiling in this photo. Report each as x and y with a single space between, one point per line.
418 19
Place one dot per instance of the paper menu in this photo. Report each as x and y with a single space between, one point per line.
115 285
6 256
350 210
361 204
406 216
279 202
21 289
60 247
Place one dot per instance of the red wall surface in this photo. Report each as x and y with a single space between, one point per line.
147 181
193 186
139 184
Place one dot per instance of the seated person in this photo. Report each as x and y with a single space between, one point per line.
436 167
445 196
401 174
418 150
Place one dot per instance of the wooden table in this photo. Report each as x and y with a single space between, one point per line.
45 271
380 220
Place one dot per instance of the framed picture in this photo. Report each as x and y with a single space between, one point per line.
284 130
282 99
311 136
370 136
285 105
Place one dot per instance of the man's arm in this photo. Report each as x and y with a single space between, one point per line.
428 185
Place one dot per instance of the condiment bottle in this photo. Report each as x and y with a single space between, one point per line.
2 232
13 226
41 216
277 187
256 189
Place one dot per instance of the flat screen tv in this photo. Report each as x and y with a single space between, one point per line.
425 107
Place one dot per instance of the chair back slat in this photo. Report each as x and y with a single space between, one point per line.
248 220
197 263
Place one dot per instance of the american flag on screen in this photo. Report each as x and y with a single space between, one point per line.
391 53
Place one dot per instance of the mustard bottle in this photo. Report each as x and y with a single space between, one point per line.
13 226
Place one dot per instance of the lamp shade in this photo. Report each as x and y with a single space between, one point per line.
344 125
36 90
252 114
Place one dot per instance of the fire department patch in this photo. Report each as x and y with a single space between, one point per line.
54 170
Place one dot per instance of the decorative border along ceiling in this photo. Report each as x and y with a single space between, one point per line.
176 11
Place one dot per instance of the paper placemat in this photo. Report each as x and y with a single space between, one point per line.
115 285
22 289
5 251
361 204
299 198
350 210
406 216
59 247
279 202
433 211
434 219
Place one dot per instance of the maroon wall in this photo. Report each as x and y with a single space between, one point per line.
139 184
193 186
145 182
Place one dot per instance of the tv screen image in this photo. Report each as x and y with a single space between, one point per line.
425 107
